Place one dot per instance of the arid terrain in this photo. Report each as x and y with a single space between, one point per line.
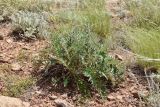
27 74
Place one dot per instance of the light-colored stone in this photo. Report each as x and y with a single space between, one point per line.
111 97
40 92
119 57
135 94
12 102
9 41
1 37
120 98
62 103
53 97
16 67
64 96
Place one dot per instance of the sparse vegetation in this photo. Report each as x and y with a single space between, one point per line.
143 39
78 46
143 33
77 52
89 14
145 13
145 43
15 85
27 5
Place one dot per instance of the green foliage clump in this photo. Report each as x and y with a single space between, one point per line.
84 55
77 45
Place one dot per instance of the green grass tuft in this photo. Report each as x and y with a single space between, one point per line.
92 14
145 13
15 86
145 43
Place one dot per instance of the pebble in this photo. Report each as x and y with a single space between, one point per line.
53 97
110 97
135 94
1 37
64 96
16 67
120 98
40 93
9 40
61 103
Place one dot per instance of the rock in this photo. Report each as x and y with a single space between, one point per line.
91 103
3 59
135 94
118 57
9 40
15 67
120 98
132 88
110 97
109 103
40 92
130 105
1 37
26 47
64 96
144 94
53 97
1 18
1 85
12 102
74 98
122 85
62 103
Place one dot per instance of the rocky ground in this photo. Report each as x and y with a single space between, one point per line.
16 58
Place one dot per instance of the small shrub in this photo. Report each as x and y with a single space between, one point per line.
84 55
32 25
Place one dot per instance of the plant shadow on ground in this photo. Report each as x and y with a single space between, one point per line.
53 79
